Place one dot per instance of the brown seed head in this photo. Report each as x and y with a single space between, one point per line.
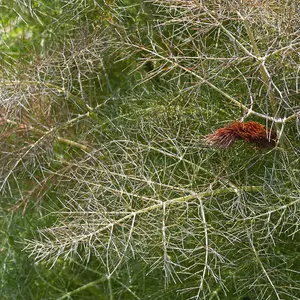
251 132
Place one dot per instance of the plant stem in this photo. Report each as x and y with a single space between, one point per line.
267 82
92 283
45 133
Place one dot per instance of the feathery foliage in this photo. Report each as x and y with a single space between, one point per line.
106 179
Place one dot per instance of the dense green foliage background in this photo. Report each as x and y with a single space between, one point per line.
108 189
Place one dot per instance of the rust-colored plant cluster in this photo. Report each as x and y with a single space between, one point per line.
251 132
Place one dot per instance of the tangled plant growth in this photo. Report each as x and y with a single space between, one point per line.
105 131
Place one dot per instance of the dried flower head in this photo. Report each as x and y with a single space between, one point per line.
251 132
